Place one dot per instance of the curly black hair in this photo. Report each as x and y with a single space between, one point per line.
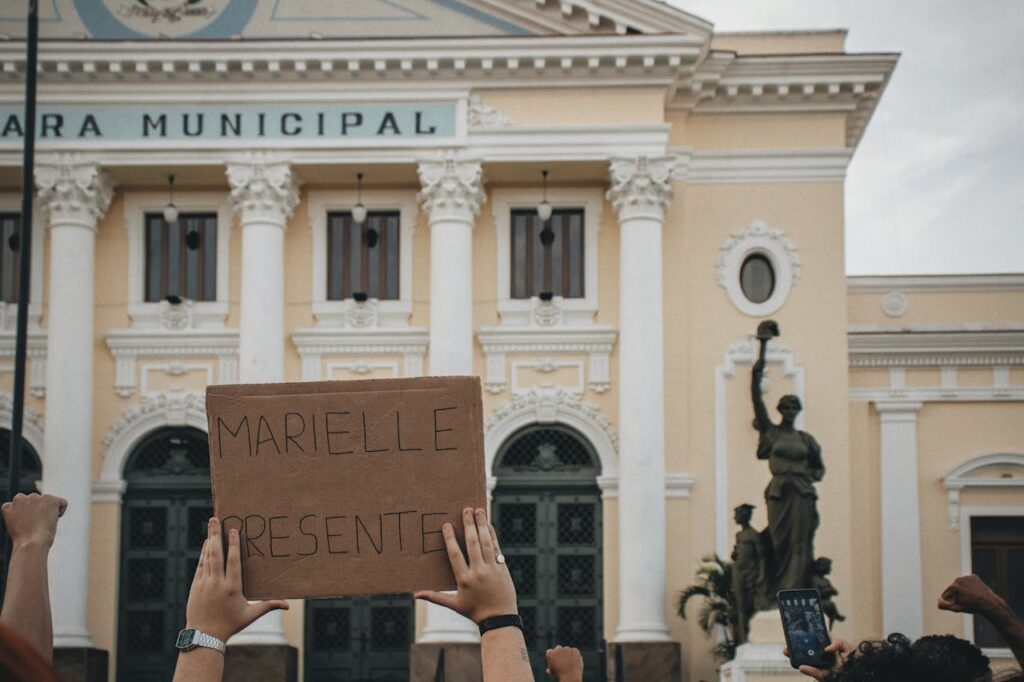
936 658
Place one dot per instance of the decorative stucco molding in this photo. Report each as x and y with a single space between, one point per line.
73 189
36 353
894 304
971 474
32 423
641 187
320 343
771 243
595 342
128 346
263 189
452 189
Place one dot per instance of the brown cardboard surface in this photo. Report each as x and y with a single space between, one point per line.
340 488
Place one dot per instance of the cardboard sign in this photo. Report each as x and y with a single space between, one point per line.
340 488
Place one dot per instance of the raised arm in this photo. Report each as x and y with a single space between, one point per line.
32 524
761 421
970 594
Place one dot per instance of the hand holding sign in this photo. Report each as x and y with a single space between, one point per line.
485 586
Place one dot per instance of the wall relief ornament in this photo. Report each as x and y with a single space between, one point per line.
483 115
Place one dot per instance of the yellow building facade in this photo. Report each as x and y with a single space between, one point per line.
696 185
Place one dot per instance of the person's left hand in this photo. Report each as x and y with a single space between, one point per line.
216 604
32 519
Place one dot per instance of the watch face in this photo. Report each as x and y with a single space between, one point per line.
185 639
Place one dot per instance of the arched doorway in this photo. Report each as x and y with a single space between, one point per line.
547 512
167 504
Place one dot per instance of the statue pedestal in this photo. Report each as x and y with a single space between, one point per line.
761 659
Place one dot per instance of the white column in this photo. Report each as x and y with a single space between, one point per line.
902 588
640 192
451 196
265 193
76 194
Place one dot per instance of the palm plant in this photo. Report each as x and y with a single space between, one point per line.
718 614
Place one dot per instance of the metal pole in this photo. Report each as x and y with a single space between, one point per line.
24 267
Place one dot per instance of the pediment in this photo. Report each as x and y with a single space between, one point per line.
347 19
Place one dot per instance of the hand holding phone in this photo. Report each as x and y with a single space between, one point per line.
803 623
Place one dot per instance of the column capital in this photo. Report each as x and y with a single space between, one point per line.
452 189
263 189
75 190
641 187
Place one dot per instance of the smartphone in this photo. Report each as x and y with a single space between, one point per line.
804 626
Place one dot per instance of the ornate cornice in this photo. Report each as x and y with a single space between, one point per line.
546 403
263 189
641 187
74 190
452 189
938 348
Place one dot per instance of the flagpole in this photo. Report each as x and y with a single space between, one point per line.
24 245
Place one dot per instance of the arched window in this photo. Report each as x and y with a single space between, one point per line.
167 504
31 466
547 512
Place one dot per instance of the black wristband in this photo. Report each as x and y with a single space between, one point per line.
511 620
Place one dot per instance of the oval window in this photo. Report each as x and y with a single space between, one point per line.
757 278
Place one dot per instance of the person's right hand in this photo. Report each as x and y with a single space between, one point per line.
840 648
216 604
484 586
969 594
565 664
32 519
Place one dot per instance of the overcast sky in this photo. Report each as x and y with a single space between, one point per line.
937 183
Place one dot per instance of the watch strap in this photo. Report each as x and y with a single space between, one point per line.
510 620
200 638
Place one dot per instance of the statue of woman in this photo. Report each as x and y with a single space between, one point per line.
794 459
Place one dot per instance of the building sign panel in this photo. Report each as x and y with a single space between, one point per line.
215 125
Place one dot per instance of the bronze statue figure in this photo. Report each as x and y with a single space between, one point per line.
747 570
819 581
794 459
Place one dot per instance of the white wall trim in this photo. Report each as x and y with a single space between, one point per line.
11 203
712 166
194 314
348 313
966 565
318 343
593 341
771 243
136 422
934 284
936 347
35 352
742 353
552 406
961 477
129 346
524 312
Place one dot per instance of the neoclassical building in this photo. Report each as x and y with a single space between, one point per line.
590 204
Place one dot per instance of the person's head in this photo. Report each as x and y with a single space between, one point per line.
743 514
936 658
789 407
822 566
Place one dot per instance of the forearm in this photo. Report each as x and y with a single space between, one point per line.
199 665
27 598
1010 627
504 656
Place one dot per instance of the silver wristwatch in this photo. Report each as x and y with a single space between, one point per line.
189 639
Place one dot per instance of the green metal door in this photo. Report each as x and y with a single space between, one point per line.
363 638
163 524
547 512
